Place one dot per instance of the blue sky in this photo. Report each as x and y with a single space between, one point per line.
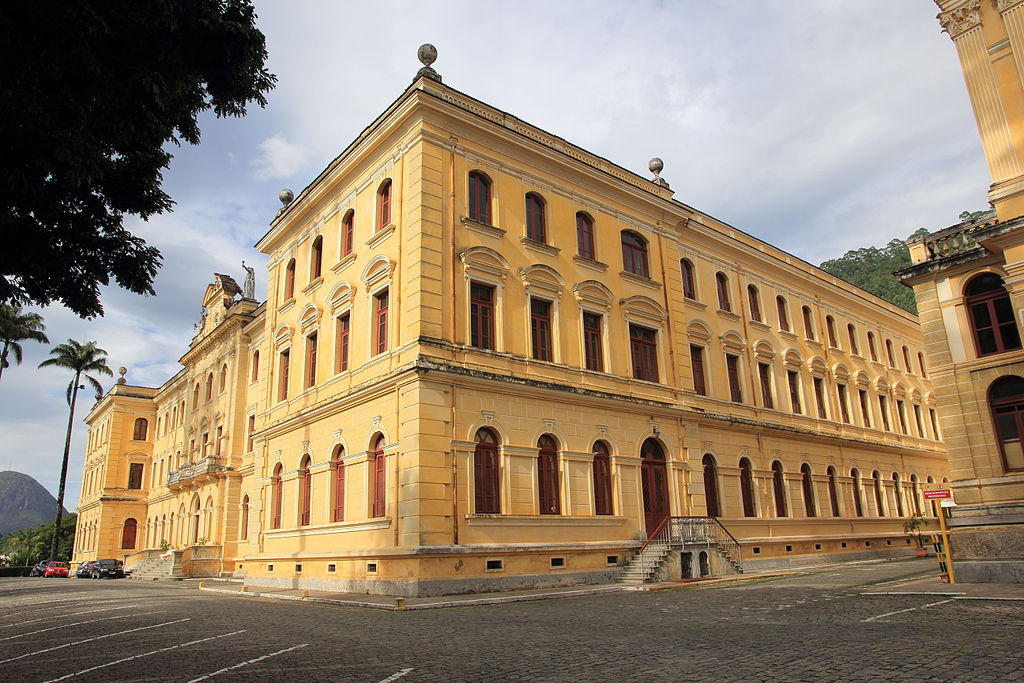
817 126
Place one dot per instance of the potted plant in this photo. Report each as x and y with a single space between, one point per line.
912 527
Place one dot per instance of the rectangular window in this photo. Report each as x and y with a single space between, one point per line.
380 304
282 388
206 443
481 316
732 365
540 329
255 367
585 237
252 430
901 413
819 397
135 475
794 390
764 371
341 332
865 409
883 405
592 342
311 360
643 346
697 368
935 423
917 420
220 437
844 409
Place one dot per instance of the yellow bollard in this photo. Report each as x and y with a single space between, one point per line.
245 589
399 604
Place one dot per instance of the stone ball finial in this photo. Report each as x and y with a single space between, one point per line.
122 371
286 196
656 166
427 54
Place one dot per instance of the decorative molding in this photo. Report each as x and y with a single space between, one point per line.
1004 5
381 235
961 20
591 264
344 262
539 247
483 228
640 280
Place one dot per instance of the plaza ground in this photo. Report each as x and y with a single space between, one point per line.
859 622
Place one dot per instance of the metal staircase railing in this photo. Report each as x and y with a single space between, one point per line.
708 531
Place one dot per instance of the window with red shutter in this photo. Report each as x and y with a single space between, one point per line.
305 492
485 473
602 480
536 229
585 236
339 484
481 316
378 478
384 205
547 476
593 355
381 315
342 341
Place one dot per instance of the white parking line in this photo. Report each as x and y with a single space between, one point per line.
89 640
146 654
77 623
245 663
72 614
396 676
909 609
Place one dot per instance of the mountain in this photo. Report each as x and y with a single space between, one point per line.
23 502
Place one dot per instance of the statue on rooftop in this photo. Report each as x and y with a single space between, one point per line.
249 288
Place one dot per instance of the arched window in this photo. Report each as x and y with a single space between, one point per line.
255 366
808 325
897 492
852 332
1006 402
195 396
275 496
920 364
337 462
485 473
722 287
634 254
547 476
602 479
858 507
747 488
243 531
316 257
711 486
585 236
379 477
348 232
289 280
935 508
779 488
384 205
830 329
536 228
780 305
755 303
689 282
889 354
906 358
833 493
128 534
305 492
871 347
879 496
223 377
991 315
808 486
209 386
915 494
141 427
479 197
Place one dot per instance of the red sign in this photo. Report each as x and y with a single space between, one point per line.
937 494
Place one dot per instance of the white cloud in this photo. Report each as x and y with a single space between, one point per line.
278 158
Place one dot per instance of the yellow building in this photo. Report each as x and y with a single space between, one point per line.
968 283
491 359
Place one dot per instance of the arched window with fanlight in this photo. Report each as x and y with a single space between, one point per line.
879 496
755 303
991 315
536 228
338 465
602 470
689 281
379 477
289 280
1006 402
807 483
129 533
305 492
275 496
485 473
384 205
779 489
722 287
858 506
585 236
316 258
479 197
747 488
547 476
833 493
897 492
711 486
634 254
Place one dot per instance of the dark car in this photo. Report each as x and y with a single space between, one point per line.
107 569
56 569
84 570
39 569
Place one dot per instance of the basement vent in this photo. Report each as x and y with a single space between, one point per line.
298 569
495 565
612 559
371 567
844 544
270 567
757 550
331 568
557 562
867 544
789 548
888 542
817 546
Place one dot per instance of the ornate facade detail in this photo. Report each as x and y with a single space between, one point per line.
958 21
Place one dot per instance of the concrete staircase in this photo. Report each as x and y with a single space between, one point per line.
156 568
644 566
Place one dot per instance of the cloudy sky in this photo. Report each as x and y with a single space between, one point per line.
817 125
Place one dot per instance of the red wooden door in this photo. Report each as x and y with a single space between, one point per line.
654 482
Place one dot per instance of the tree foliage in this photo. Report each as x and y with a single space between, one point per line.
28 546
16 327
872 268
92 91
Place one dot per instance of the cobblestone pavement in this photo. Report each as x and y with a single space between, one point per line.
807 627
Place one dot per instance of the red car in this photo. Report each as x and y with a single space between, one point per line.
56 569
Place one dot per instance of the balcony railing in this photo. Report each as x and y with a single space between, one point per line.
706 531
200 468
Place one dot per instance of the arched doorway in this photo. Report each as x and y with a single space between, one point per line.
128 534
711 486
654 482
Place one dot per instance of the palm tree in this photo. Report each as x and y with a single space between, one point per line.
79 358
16 327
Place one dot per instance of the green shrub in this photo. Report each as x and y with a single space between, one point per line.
15 571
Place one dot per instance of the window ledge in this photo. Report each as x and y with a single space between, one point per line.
640 280
313 286
539 247
286 305
543 520
590 263
381 235
344 262
760 325
728 315
694 303
814 342
483 228
786 334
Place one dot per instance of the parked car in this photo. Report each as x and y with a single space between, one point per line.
56 569
84 570
39 569
109 569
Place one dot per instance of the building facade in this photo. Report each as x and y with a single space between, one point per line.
969 283
488 358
